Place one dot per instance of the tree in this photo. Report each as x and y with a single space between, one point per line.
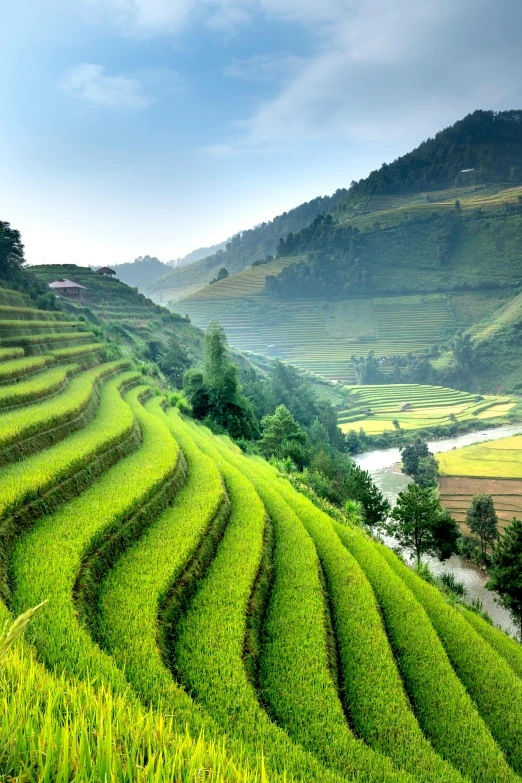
215 393
175 361
283 437
505 571
359 486
463 350
419 463
11 251
366 368
427 471
419 522
481 519
221 275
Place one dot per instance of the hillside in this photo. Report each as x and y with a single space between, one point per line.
127 317
240 252
141 271
400 266
276 622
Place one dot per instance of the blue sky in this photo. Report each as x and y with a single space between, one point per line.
157 126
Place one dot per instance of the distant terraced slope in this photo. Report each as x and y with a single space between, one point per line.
320 336
414 406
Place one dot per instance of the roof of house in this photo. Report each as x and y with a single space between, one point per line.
63 283
104 270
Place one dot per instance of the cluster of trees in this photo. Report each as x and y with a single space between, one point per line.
221 275
336 261
488 142
11 251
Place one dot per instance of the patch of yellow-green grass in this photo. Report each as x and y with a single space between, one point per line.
495 459
376 426
496 410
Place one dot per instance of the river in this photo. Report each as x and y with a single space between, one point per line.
382 464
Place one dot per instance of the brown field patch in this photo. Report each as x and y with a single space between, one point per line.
456 493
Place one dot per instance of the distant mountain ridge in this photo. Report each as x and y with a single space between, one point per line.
242 250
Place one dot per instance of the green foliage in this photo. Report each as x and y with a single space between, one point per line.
174 361
283 437
11 252
360 487
419 522
215 394
505 570
221 275
481 519
419 463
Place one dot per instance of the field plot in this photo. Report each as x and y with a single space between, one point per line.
494 468
414 406
317 336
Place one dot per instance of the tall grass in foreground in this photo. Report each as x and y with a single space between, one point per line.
56 729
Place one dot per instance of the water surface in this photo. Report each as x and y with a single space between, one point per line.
382 464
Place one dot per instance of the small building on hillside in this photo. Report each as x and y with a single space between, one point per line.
366 409
67 287
405 406
104 270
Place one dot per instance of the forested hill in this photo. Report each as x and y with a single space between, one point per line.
243 250
484 147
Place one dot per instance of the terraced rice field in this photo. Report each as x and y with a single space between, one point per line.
493 468
205 621
317 336
375 408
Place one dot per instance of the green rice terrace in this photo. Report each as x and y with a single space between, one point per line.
205 620
321 337
413 406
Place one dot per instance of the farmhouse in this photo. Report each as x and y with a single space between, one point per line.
67 287
104 270
405 406
366 409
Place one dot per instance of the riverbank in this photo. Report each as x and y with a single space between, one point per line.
382 466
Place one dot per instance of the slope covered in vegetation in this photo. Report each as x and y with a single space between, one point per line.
199 620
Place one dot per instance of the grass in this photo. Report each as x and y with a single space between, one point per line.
494 459
22 423
41 385
209 650
445 711
374 697
488 678
17 367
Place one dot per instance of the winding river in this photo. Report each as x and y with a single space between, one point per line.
382 464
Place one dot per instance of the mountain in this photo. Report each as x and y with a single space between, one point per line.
198 254
244 249
141 271
409 256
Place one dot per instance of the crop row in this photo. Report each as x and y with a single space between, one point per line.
17 367
375 695
445 711
209 648
495 688
43 384
19 424
77 350
45 338
294 667
141 578
18 325
10 353
8 312
21 483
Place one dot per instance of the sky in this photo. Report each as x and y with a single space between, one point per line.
134 127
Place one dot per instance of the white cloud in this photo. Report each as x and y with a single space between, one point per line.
384 70
89 82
